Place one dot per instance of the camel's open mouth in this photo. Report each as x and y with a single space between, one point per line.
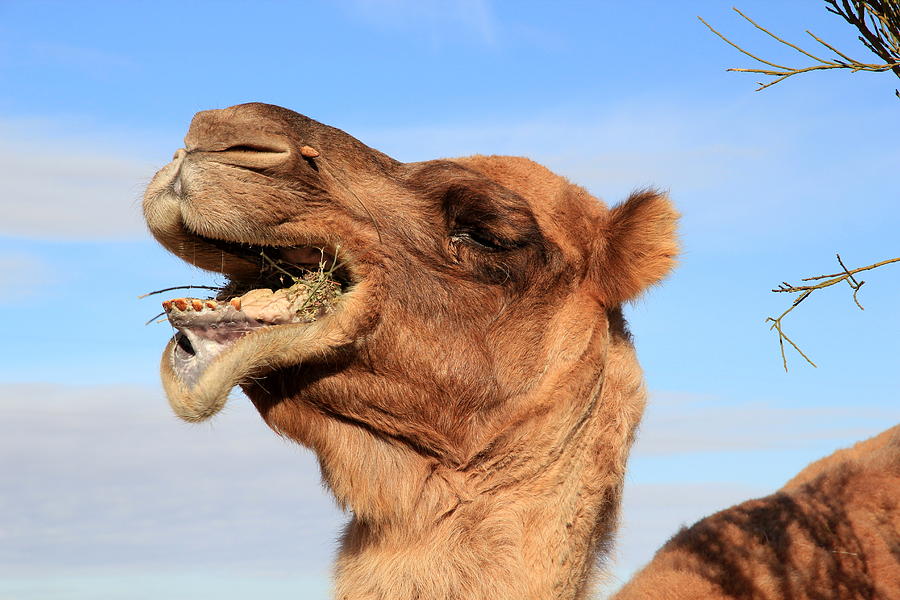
293 285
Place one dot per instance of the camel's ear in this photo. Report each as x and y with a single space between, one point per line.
638 247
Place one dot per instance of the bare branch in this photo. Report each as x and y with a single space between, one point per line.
842 274
877 21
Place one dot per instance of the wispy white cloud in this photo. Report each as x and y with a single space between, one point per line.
62 187
172 584
682 423
108 477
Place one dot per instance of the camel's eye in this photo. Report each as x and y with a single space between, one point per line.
491 232
483 222
478 239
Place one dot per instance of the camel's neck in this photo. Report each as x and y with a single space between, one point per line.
528 523
537 540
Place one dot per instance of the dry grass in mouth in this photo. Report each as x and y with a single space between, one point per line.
311 293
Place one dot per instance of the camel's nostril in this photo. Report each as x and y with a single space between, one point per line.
252 148
265 152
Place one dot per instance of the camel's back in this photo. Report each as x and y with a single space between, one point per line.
832 532
870 454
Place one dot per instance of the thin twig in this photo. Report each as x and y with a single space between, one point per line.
753 56
782 336
180 287
785 42
323 277
276 266
156 317
830 47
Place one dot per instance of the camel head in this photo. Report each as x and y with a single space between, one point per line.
471 326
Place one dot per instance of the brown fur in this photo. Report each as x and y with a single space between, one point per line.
832 532
473 407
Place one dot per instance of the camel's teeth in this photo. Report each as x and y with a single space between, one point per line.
180 304
197 305
236 303
167 305
308 152
212 304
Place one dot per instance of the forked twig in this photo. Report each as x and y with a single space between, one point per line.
805 291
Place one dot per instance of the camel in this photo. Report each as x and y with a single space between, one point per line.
833 531
473 395
446 336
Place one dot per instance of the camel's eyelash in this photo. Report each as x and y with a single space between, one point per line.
478 238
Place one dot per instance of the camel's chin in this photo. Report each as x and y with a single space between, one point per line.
192 371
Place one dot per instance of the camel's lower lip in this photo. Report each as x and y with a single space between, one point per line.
193 353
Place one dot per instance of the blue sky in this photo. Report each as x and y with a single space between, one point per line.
111 497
